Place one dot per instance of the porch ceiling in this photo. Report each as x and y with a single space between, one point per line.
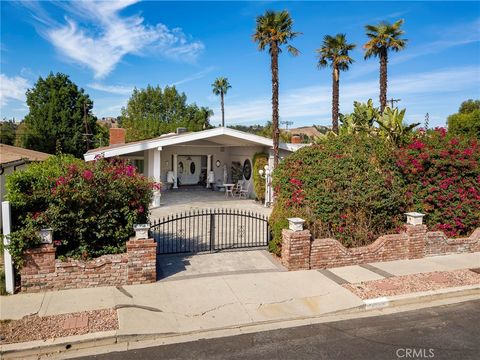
217 141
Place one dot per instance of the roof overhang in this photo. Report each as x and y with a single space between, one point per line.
221 136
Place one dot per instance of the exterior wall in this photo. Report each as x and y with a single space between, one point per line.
41 271
299 252
226 155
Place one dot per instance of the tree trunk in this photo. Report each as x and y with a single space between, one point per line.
335 99
275 130
383 80
223 109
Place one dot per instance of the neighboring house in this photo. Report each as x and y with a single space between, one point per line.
204 158
14 158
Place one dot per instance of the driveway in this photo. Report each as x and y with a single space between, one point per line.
177 266
176 201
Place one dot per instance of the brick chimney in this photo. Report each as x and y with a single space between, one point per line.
117 136
296 139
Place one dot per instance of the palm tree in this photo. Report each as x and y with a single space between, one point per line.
382 38
220 87
334 51
274 29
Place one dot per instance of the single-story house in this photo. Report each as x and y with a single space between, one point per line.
14 158
206 158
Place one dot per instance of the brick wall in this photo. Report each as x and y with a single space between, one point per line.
415 242
437 243
41 271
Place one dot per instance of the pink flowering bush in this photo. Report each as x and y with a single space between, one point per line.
345 187
442 176
91 206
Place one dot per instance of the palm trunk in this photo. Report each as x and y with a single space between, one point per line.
223 109
276 130
383 80
335 99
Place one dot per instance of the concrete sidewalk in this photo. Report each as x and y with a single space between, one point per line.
203 303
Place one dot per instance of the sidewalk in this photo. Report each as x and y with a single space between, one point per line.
225 301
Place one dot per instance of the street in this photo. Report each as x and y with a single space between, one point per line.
445 332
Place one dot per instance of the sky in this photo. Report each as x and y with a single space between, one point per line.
110 47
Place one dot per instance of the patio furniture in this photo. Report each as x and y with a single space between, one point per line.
244 192
229 189
238 187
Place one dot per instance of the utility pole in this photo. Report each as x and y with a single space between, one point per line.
427 120
392 100
286 123
87 129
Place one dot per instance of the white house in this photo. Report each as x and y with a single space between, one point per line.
205 158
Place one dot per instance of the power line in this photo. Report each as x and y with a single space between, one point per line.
392 100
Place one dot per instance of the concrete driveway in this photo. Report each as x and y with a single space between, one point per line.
187 266
176 201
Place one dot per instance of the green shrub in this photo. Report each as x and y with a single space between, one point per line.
91 207
346 187
259 162
442 173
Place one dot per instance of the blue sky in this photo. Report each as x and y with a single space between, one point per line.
109 47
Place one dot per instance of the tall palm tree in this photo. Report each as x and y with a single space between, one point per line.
382 38
220 87
334 52
274 29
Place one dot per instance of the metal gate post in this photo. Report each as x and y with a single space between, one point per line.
212 231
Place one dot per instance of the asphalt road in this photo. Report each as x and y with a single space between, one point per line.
446 332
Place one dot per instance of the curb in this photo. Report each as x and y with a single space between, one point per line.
67 346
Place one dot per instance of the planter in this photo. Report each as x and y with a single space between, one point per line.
46 235
141 231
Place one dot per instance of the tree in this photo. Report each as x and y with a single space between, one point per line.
274 29
7 132
467 121
383 38
220 87
59 117
154 111
334 52
393 128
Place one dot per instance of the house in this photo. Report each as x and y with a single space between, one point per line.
207 158
14 158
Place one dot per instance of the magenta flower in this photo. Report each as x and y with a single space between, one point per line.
87 175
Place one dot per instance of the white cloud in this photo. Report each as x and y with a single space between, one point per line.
314 102
112 89
110 36
195 76
12 88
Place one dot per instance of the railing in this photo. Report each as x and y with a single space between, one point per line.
208 230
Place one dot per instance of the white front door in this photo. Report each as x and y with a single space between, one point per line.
189 168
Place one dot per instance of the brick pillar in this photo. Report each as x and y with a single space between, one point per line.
40 260
296 249
416 240
142 261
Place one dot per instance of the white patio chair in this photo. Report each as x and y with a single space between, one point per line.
238 186
244 191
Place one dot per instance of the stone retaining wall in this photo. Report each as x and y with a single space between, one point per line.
41 271
299 252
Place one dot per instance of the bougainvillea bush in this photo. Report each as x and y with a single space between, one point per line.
91 206
442 173
346 187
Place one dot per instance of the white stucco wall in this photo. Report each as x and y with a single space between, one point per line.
3 178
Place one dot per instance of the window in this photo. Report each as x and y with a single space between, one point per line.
140 165
192 168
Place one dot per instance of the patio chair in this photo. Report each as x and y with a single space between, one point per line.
237 188
244 192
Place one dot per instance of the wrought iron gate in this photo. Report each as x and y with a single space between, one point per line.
210 230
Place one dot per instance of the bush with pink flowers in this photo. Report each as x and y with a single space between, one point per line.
91 206
442 174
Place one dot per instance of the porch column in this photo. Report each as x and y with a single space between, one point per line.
157 164
209 168
175 164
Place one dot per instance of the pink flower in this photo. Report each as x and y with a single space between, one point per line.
468 152
61 181
417 145
87 175
130 170
141 209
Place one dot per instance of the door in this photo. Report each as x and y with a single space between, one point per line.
189 169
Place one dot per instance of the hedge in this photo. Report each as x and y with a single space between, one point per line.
259 162
91 206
